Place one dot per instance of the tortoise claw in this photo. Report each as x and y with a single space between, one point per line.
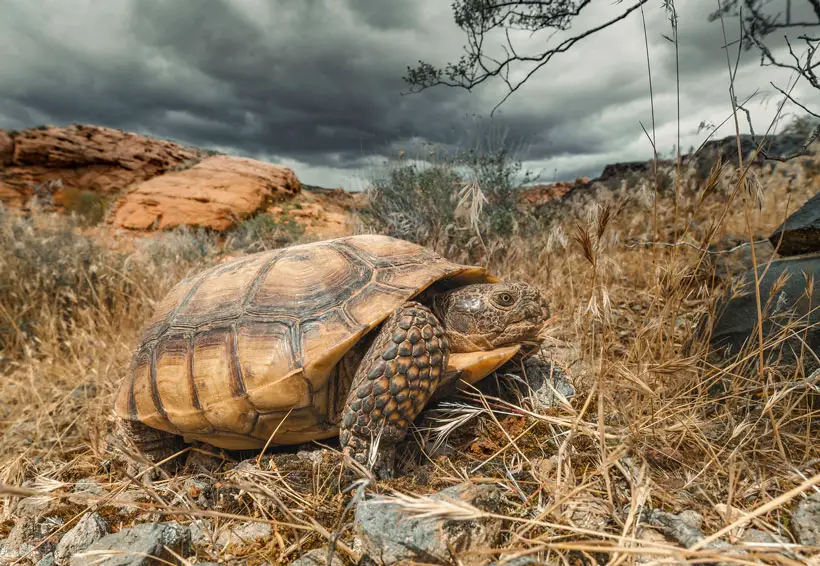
382 463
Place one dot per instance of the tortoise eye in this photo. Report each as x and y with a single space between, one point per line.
505 299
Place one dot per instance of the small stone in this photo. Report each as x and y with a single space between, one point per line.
758 536
246 533
89 529
387 535
806 521
691 518
30 538
85 488
318 557
135 546
547 384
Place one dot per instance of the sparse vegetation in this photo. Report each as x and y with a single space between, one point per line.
90 207
643 431
264 232
457 203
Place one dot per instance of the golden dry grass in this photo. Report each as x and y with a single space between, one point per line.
642 432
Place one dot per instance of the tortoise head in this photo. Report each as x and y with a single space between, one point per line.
486 316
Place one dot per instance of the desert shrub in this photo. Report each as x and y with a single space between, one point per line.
451 204
414 203
56 282
263 232
90 207
181 247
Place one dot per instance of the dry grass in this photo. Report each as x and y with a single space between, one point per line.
641 433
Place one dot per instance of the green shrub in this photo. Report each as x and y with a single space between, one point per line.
451 204
264 232
90 207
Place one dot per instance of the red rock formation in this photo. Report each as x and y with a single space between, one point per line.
216 193
88 158
542 194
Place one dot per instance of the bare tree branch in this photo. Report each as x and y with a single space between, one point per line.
761 20
480 17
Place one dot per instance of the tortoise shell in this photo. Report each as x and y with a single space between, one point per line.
250 349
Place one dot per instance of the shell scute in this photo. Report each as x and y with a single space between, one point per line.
220 295
309 281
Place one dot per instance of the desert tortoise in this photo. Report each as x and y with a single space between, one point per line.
347 337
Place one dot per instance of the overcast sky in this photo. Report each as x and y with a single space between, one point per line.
317 84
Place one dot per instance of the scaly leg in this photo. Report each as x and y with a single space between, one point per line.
397 376
152 444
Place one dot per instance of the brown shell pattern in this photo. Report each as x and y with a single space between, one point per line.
245 352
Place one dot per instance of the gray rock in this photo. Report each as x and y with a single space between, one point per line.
735 255
736 316
387 535
47 560
801 231
29 537
806 521
245 533
684 527
758 536
89 529
135 546
548 384
318 557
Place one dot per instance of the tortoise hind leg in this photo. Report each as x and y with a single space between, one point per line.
394 381
142 441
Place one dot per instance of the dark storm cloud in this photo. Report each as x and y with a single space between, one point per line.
318 82
308 80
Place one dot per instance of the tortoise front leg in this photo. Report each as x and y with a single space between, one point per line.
397 376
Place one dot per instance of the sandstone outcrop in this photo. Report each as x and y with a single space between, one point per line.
538 195
218 192
86 158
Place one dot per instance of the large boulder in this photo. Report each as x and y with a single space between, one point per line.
785 304
800 232
731 256
216 193
82 158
